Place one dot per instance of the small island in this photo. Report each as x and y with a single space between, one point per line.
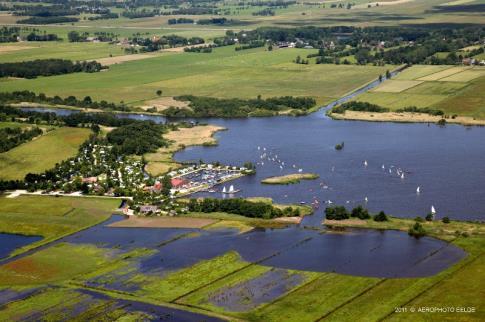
290 178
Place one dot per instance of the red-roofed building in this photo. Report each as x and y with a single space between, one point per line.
178 183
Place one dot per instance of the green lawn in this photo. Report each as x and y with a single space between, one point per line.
223 73
52 217
42 153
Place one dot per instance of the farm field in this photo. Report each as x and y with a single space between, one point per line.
224 286
454 90
224 73
42 153
14 52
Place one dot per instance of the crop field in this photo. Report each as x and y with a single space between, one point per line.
62 50
52 217
223 73
42 153
393 86
454 90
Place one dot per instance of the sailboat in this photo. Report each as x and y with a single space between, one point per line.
365 163
383 167
366 199
402 175
433 211
418 190
231 190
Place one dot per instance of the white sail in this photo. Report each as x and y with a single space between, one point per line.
433 211
418 189
365 163
231 188
402 175
383 167
366 199
300 170
224 189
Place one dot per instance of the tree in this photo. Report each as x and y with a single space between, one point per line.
381 216
429 217
388 74
380 78
166 185
417 230
446 220
159 92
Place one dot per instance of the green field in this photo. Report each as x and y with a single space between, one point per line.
224 73
454 90
62 50
42 153
52 217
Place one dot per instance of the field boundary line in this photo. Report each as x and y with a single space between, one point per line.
238 270
351 299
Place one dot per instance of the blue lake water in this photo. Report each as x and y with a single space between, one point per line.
355 252
447 163
10 242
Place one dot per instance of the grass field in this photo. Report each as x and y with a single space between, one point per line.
52 217
42 153
454 90
224 73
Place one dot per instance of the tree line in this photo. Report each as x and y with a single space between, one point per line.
12 137
235 107
239 206
86 102
47 67
369 107
341 213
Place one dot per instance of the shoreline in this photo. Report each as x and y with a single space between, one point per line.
404 117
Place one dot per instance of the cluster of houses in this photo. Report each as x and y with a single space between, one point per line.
472 61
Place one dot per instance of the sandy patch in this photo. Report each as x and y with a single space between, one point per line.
396 86
163 222
181 49
124 58
404 117
346 222
197 135
382 3
163 103
9 48
289 220
161 161
443 74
